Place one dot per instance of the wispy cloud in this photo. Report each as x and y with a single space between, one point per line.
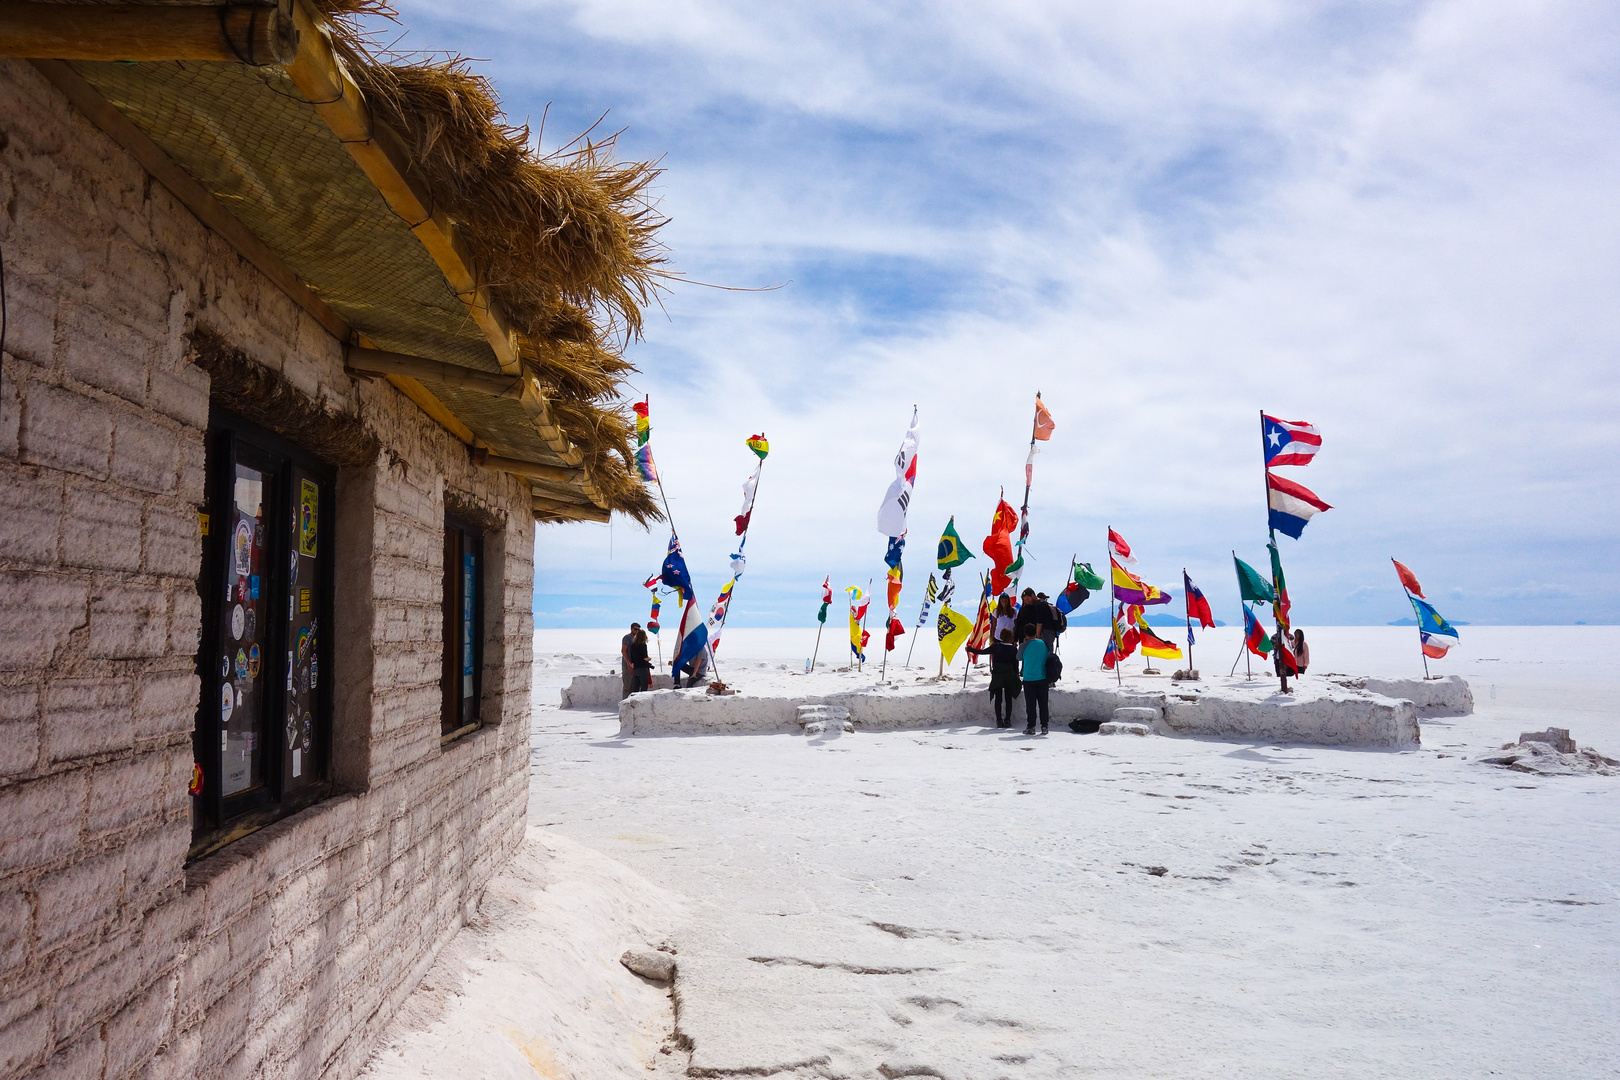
1395 220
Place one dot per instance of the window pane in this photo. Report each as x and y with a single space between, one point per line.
243 628
303 627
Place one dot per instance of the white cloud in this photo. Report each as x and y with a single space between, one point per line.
1394 220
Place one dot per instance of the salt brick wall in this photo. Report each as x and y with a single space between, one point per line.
285 953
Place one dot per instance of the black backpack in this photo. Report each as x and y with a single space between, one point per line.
1054 667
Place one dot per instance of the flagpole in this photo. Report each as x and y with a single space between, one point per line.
860 663
1419 615
1242 648
1187 604
742 543
1023 511
1276 606
817 650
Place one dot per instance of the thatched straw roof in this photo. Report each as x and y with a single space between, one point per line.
540 267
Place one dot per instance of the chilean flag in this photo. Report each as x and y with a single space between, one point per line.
1292 505
1288 442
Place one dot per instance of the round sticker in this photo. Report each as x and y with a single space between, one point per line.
308 725
238 619
253 661
303 680
241 664
293 569
250 624
227 702
242 548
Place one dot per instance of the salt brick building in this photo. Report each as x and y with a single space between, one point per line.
299 347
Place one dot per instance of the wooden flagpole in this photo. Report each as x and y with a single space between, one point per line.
1419 615
1276 606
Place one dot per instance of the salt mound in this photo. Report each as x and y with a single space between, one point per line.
1551 753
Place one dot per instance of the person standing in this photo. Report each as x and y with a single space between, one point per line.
1032 655
1006 619
624 660
1003 677
1038 611
1302 651
640 665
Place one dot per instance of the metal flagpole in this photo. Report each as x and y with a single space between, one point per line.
1029 479
1242 647
1276 606
860 664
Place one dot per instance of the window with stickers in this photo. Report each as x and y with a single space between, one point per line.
263 734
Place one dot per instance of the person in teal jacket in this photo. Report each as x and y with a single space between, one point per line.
1032 655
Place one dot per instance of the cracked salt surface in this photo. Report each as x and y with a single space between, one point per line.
1354 912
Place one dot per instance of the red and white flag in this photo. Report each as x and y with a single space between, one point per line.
1119 549
1288 442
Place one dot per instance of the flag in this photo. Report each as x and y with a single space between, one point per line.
1086 577
891 557
953 630
896 628
951 551
674 572
894 576
826 598
998 545
1285 654
978 642
652 620
693 636
749 487
1120 644
1281 606
652 582
1044 423
929 596
717 614
1254 635
1437 635
1133 590
1197 606
857 611
1072 597
1288 442
1154 645
1292 505
1119 549
1251 586
644 459
759 445
1409 580
891 519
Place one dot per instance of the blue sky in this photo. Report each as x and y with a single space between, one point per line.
1394 220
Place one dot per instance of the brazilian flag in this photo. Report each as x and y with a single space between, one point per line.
951 551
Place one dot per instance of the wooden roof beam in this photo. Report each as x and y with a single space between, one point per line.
381 362
548 510
234 33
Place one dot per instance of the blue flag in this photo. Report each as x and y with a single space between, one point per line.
674 572
1435 634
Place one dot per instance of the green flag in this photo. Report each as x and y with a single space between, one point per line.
1086 578
1280 605
1251 586
823 616
951 550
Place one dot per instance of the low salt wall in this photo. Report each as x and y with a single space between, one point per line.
1330 713
602 691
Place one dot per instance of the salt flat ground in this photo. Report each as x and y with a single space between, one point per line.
975 903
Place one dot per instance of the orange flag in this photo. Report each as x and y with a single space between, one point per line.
1044 424
1408 579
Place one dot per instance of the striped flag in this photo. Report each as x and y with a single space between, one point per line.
1288 442
1291 505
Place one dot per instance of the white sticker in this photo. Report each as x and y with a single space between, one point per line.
227 701
298 762
238 621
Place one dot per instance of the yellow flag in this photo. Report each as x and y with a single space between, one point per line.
954 629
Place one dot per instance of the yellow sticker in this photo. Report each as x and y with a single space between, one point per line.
303 601
202 519
308 498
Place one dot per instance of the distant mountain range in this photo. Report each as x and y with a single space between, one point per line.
1154 618
1413 622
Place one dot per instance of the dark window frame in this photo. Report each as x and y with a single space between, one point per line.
217 819
456 720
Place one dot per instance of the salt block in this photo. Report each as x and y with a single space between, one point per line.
1557 736
815 727
823 714
1136 714
649 964
1115 727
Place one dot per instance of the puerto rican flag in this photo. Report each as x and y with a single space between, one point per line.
1292 505
1288 442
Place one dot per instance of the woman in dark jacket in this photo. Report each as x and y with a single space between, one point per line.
1004 682
640 666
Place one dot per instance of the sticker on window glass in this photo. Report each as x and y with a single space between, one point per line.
238 622
196 785
308 727
298 762
250 625
242 549
314 673
225 667
227 702
241 664
308 496
303 601
289 669
253 662
253 586
292 731
303 644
